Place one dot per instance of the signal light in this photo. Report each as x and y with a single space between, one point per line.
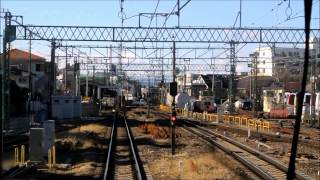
173 118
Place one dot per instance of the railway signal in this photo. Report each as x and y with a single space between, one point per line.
173 93
173 88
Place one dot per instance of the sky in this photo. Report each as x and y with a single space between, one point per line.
199 13
261 13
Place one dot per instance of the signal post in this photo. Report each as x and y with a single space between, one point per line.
173 93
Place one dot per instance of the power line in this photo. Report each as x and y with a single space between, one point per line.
270 11
295 16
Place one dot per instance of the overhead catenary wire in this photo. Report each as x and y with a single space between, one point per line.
270 11
295 16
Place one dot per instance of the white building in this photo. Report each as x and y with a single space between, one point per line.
185 82
274 61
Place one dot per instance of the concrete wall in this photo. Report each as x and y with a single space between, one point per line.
66 107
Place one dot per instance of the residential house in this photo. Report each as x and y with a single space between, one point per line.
20 63
196 85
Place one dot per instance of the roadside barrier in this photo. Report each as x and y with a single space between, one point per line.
244 122
19 155
240 121
16 156
266 126
52 157
23 152
237 120
231 119
251 123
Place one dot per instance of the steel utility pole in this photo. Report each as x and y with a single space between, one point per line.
163 94
148 97
184 78
75 76
178 12
87 84
66 70
93 81
213 90
254 84
5 81
30 82
52 75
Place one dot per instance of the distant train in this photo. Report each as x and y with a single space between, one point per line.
203 106
108 97
317 104
291 100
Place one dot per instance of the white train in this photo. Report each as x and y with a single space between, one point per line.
317 104
291 100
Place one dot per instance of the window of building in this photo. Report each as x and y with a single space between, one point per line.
262 70
22 80
290 54
38 67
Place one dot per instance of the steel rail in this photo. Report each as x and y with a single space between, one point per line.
110 149
258 154
140 173
247 163
138 163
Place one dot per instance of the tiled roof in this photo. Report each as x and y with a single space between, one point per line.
17 54
262 81
292 86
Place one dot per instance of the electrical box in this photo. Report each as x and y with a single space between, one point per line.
36 144
49 135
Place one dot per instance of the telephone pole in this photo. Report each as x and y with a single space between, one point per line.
313 81
232 77
148 97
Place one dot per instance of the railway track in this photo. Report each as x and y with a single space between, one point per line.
261 164
123 161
